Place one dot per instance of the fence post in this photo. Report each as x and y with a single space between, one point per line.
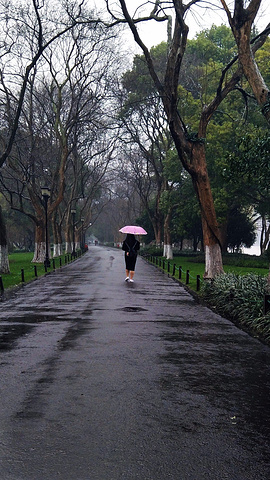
1 284
159 262
35 270
187 277
163 264
173 272
22 272
198 282
60 261
180 272
169 265
53 262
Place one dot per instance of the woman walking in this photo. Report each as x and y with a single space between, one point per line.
130 247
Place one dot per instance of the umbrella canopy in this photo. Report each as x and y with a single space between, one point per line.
133 229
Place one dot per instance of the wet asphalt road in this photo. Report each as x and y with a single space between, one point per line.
103 380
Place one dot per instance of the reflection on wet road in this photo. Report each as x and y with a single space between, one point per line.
104 380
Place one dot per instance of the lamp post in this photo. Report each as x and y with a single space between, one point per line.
82 237
46 193
73 213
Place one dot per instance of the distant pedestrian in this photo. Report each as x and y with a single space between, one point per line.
130 247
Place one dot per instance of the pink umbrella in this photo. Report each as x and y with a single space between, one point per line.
133 229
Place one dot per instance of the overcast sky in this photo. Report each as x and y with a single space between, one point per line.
198 19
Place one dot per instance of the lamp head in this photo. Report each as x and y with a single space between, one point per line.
46 192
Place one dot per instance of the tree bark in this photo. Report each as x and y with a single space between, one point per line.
40 244
68 248
167 252
4 262
211 233
241 23
57 237
265 236
223 228
68 235
157 230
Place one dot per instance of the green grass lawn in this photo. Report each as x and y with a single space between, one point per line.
19 261
198 269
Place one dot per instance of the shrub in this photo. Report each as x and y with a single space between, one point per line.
151 250
240 298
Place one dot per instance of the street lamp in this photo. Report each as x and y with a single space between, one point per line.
73 213
46 193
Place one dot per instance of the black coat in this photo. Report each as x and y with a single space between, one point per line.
130 247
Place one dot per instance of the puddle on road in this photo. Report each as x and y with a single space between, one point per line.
132 309
16 327
10 333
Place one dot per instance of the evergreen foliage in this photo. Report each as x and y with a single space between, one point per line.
241 299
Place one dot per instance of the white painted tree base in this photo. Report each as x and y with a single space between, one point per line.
57 250
168 252
40 251
213 261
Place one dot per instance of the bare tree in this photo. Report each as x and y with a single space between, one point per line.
27 30
62 115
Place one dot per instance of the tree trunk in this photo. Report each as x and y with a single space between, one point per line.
223 228
68 248
68 234
4 263
156 221
57 250
40 243
192 155
157 231
57 236
241 25
265 235
168 252
211 234
195 243
262 234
